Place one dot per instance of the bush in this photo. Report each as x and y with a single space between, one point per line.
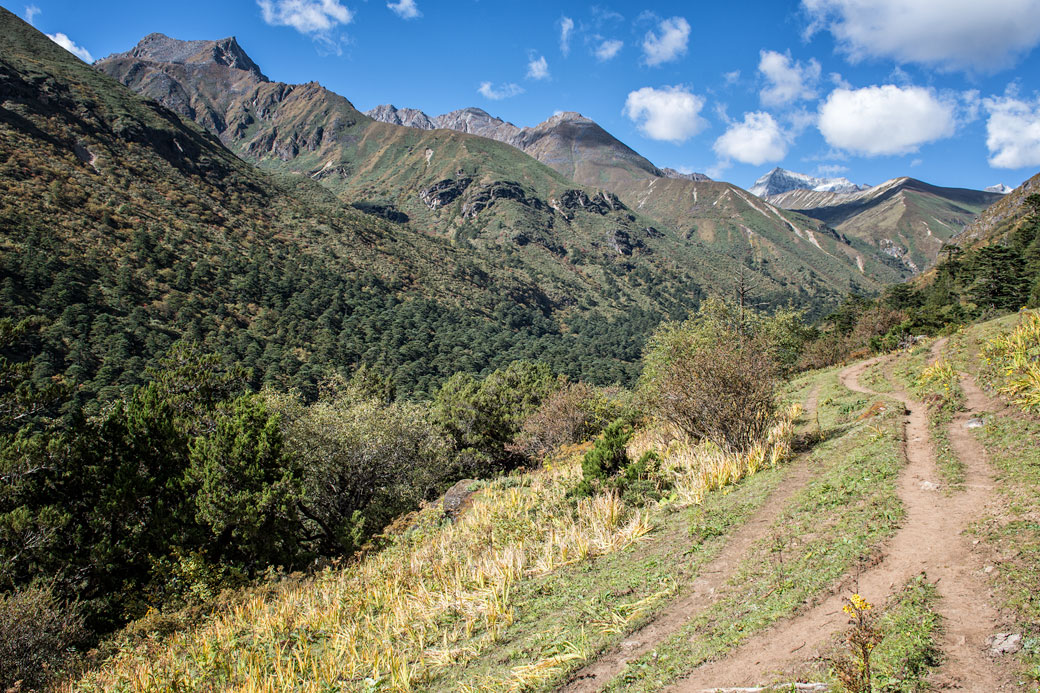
483 417
38 635
363 463
713 377
248 487
572 414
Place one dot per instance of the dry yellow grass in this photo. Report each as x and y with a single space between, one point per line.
436 598
696 469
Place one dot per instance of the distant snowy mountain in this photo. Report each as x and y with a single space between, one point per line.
999 188
781 180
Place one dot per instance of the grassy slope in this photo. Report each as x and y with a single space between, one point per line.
559 618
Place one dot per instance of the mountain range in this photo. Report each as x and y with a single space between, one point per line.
203 199
492 196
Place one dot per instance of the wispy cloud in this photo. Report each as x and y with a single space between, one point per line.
566 27
503 91
405 9
538 68
30 13
69 45
608 49
667 43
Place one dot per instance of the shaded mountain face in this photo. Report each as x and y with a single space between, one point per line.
903 218
781 180
490 197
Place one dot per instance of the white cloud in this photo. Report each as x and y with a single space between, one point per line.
788 80
405 9
30 13
566 27
671 113
756 140
875 121
1012 132
306 16
538 68
667 45
504 91
68 44
950 34
608 49
831 170
732 77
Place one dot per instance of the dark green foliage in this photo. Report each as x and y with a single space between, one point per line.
484 416
247 486
608 456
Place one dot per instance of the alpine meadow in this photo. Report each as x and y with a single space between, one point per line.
317 374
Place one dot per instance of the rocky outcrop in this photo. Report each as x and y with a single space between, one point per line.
623 243
408 117
601 203
486 195
444 192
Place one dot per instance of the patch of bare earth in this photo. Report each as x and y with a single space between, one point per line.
930 541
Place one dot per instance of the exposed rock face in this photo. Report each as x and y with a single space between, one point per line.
458 498
486 195
162 48
444 192
408 117
623 243
600 203
475 121
695 177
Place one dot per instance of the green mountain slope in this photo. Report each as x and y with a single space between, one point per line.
903 218
127 229
473 190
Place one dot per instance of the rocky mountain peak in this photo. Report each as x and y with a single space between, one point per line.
999 188
781 180
163 49
408 117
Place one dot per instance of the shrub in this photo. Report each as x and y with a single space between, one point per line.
483 417
363 462
248 487
572 414
38 635
713 377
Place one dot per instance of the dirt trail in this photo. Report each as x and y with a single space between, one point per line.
699 594
929 541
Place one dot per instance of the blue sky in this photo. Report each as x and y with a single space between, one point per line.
941 90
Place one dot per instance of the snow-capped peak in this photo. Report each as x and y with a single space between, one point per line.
999 188
780 181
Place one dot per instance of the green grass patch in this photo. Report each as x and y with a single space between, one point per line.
1011 536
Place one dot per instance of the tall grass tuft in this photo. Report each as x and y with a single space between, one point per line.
1012 363
696 469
